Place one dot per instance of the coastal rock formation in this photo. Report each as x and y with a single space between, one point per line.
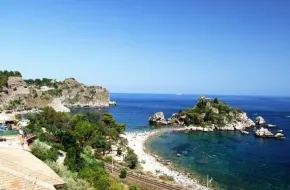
112 103
177 119
239 126
280 136
158 119
75 94
263 132
58 106
192 128
260 121
229 127
18 94
15 85
249 123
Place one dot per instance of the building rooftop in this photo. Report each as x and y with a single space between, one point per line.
19 169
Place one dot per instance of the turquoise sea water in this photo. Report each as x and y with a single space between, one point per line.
234 161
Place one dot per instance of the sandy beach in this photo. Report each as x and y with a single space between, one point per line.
149 163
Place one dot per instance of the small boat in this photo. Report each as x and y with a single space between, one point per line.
280 131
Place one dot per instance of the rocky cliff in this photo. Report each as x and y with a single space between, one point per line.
18 94
76 94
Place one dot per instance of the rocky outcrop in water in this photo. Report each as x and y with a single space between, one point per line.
158 119
112 103
260 121
265 133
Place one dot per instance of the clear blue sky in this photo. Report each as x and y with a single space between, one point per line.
160 46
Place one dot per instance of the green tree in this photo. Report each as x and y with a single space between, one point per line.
67 139
29 81
17 74
102 146
108 119
216 101
93 117
131 159
123 173
37 82
73 159
46 81
85 133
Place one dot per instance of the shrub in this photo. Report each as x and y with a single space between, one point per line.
123 173
58 146
216 101
116 185
131 159
119 151
43 152
70 178
96 176
132 187
73 159
167 177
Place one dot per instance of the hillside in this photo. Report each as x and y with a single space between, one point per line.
19 94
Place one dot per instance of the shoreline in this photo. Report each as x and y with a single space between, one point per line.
137 140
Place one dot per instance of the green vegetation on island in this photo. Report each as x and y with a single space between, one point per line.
85 138
208 112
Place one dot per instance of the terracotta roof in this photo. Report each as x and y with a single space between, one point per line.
19 169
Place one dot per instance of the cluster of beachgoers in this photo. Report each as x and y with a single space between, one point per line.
150 163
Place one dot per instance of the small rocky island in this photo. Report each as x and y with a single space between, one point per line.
213 115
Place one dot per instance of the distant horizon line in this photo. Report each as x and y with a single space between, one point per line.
188 94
